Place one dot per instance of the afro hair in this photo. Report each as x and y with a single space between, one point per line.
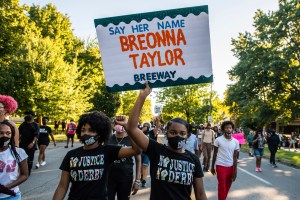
10 104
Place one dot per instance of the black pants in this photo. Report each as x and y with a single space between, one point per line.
121 187
30 153
272 156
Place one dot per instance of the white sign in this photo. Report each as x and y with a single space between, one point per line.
165 48
157 109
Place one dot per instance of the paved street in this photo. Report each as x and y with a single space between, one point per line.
281 183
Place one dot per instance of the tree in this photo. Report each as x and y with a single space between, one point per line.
184 101
267 75
128 99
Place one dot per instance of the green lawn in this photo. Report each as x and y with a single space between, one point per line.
63 137
286 157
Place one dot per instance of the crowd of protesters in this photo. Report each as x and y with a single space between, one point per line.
110 149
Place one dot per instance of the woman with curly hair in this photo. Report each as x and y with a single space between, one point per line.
13 163
8 106
173 170
86 167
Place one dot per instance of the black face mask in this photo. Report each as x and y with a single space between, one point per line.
4 141
27 118
176 142
88 139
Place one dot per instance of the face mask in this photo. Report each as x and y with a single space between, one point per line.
228 134
4 141
119 129
27 118
88 140
176 142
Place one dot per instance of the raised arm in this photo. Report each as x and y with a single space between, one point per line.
133 131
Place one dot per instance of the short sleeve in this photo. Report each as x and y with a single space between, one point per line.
22 154
153 148
36 129
111 153
198 173
65 165
50 130
237 146
216 143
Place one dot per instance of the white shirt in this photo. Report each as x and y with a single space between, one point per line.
226 149
9 168
191 143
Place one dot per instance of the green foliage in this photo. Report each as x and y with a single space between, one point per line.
46 68
191 102
128 99
267 75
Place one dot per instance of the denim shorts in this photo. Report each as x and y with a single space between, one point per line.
258 152
145 159
17 197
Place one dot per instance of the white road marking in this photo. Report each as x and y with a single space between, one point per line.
44 171
262 180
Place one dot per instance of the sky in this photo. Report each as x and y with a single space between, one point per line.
227 18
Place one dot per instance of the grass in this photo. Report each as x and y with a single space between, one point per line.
63 137
286 157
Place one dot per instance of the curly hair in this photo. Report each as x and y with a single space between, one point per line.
177 120
12 140
226 123
10 104
99 123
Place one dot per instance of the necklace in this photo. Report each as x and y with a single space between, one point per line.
118 140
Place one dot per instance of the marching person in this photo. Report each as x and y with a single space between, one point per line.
120 176
208 138
86 167
43 142
8 106
259 144
71 128
173 170
29 133
225 155
13 163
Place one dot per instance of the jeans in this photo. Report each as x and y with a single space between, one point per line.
17 197
272 156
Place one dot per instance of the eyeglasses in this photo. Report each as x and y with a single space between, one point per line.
8 133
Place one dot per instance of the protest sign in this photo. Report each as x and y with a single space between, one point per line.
165 48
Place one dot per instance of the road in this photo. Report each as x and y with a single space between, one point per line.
280 183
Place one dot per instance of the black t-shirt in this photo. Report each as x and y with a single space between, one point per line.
151 135
44 133
172 174
259 144
27 132
88 171
121 169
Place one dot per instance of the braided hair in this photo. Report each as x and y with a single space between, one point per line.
11 144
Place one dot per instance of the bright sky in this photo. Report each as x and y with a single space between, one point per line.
227 19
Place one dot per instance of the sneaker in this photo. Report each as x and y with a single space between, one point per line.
274 166
43 163
37 165
66 146
143 183
260 169
257 169
72 145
